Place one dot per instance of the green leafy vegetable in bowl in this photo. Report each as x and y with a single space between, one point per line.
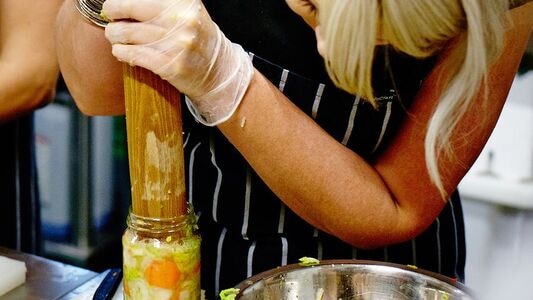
229 294
308 261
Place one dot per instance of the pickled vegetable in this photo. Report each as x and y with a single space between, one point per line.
161 268
229 294
308 261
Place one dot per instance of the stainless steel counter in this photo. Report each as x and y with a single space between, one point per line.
45 279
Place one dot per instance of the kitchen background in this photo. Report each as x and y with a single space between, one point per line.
84 188
498 202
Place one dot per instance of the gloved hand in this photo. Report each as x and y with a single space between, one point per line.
177 40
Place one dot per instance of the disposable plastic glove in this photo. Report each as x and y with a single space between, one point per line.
177 40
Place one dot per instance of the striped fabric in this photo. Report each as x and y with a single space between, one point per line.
246 229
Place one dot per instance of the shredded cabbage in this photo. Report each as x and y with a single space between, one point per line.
308 261
139 254
229 294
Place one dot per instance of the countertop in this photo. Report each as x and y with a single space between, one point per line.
45 279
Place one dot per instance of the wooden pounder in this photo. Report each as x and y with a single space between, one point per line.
155 145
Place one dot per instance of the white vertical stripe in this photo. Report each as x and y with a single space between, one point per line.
284 251
186 140
219 179
283 79
281 223
249 270
455 237
385 254
315 233
219 260
384 125
246 216
191 167
318 97
351 121
439 254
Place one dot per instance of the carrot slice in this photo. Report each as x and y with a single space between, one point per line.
162 273
126 287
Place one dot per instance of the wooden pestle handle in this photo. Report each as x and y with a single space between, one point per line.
155 145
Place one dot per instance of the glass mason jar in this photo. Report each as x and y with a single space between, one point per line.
161 258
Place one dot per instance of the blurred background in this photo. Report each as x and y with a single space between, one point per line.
83 179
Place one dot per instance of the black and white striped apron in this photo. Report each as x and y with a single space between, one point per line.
246 229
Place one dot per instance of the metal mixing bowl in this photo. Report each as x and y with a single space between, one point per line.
351 280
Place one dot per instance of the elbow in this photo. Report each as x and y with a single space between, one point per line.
379 240
26 94
45 93
384 234
40 91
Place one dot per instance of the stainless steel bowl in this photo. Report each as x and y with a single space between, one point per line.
351 280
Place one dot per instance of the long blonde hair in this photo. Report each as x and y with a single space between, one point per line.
419 28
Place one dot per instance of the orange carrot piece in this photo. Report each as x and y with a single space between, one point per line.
162 273
126 288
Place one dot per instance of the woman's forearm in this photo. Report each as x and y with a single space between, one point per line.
320 179
24 89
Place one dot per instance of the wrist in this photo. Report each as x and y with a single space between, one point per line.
219 104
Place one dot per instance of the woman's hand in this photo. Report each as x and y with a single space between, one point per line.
177 40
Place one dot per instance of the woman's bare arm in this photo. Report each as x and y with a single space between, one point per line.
28 64
93 76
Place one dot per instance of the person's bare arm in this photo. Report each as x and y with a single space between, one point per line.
333 188
93 76
28 65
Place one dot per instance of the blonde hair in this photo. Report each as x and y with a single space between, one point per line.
419 28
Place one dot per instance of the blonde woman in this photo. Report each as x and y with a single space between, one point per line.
289 165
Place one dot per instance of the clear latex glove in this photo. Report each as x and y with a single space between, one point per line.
177 40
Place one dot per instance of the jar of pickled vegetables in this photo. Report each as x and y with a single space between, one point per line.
161 258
